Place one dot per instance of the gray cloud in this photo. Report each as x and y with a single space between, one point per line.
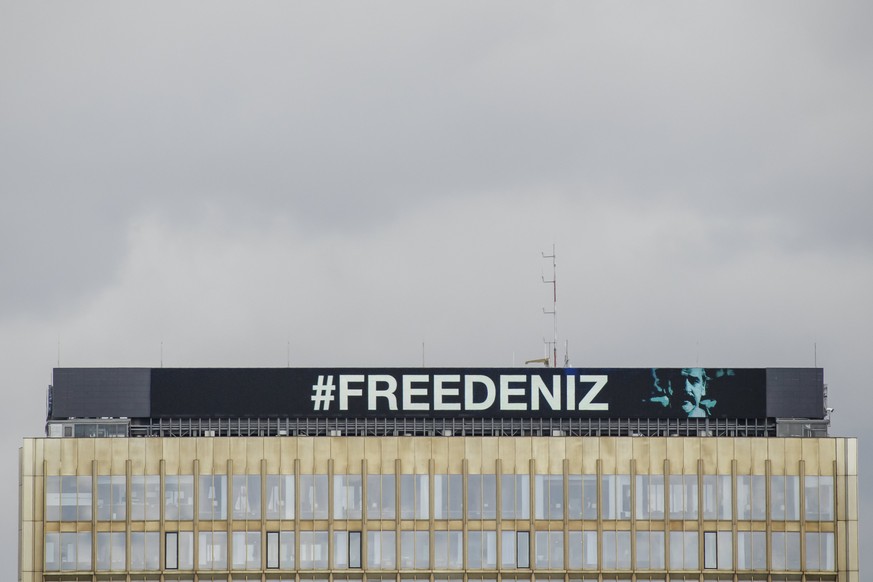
357 179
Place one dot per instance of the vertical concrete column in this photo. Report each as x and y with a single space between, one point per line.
93 519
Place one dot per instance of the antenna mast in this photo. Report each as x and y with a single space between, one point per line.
554 312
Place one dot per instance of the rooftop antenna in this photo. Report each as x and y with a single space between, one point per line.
554 312
422 354
288 353
59 351
162 353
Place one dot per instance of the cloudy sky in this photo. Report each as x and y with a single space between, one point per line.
349 182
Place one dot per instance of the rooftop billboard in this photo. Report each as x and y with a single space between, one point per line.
451 392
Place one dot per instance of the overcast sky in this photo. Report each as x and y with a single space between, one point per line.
349 182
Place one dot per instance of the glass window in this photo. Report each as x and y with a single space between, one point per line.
246 550
820 551
481 550
507 549
381 549
616 550
313 497
212 553
110 551
68 498
683 550
819 498
549 550
145 550
246 501
751 497
523 549
515 496
785 550
582 496
784 497
346 549
650 550
717 497
355 549
52 552
448 496
111 497
717 550
481 497
171 550
280 497
751 550
179 497
340 549
448 550
313 550
145 497
588 553
549 496
380 496
650 496
683 496
213 497
615 496
74 551
347 496
53 501
414 497
415 550
286 550
272 549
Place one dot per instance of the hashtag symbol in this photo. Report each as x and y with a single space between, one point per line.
322 393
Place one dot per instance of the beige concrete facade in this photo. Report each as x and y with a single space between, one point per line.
43 460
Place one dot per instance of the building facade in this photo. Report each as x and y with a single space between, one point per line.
545 483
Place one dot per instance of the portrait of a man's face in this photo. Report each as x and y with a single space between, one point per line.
686 390
694 389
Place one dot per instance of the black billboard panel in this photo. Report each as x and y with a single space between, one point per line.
454 392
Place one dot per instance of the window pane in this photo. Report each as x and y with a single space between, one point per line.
280 497
272 549
549 496
725 550
388 497
246 500
751 550
515 496
213 497
313 550
111 497
340 549
212 554
179 497
313 497
507 549
456 496
354 549
52 552
246 550
171 551
474 499
286 550
608 505
710 550
407 497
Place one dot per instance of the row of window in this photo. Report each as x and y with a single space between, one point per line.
450 577
72 551
655 497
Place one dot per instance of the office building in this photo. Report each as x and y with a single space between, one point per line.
438 475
